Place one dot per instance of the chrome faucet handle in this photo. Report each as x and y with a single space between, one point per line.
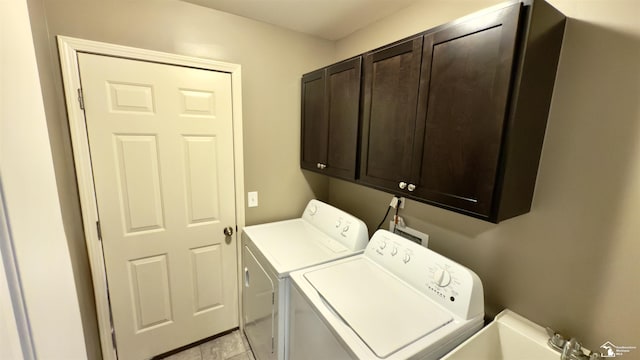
556 341
573 351
595 356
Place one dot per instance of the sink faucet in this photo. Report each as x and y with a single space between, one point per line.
571 349
556 341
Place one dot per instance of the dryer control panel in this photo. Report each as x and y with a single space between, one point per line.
446 282
344 228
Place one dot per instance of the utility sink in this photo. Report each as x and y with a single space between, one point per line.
508 337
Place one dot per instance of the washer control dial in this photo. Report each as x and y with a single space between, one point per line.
442 277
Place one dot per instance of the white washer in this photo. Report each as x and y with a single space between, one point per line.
271 251
398 300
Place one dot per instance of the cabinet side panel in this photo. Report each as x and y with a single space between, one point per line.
530 107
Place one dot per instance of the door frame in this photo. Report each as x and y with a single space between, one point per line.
68 49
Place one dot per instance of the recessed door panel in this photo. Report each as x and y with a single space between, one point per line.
208 290
139 181
149 281
198 103
201 169
136 98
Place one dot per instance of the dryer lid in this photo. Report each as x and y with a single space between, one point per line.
386 313
294 244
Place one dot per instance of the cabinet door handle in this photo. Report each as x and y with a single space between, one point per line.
411 187
323 166
402 185
246 276
319 166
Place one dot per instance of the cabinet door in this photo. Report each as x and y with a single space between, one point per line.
343 109
464 93
315 125
391 79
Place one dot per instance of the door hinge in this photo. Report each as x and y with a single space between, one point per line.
113 337
273 298
113 329
80 98
113 340
99 229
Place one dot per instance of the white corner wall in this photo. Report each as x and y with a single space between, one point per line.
31 198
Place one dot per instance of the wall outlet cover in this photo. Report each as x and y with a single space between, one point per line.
252 199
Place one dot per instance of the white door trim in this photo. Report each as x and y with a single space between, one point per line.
68 49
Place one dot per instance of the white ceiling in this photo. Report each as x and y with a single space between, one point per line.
328 19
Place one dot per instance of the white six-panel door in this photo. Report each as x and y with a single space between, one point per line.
161 145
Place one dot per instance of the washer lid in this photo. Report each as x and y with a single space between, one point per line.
386 313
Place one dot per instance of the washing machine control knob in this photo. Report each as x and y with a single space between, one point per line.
313 209
442 277
394 251
406 258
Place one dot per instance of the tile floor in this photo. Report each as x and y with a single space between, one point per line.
233 346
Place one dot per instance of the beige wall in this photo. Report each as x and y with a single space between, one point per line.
572 263
272 62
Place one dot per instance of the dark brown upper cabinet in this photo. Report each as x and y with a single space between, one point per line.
390 97
464 98
455 116
330 119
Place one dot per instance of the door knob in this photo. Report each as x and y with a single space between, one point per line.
228 231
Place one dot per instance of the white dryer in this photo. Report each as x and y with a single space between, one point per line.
396 301
271 251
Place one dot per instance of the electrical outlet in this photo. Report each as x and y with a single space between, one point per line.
395 200
252 199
